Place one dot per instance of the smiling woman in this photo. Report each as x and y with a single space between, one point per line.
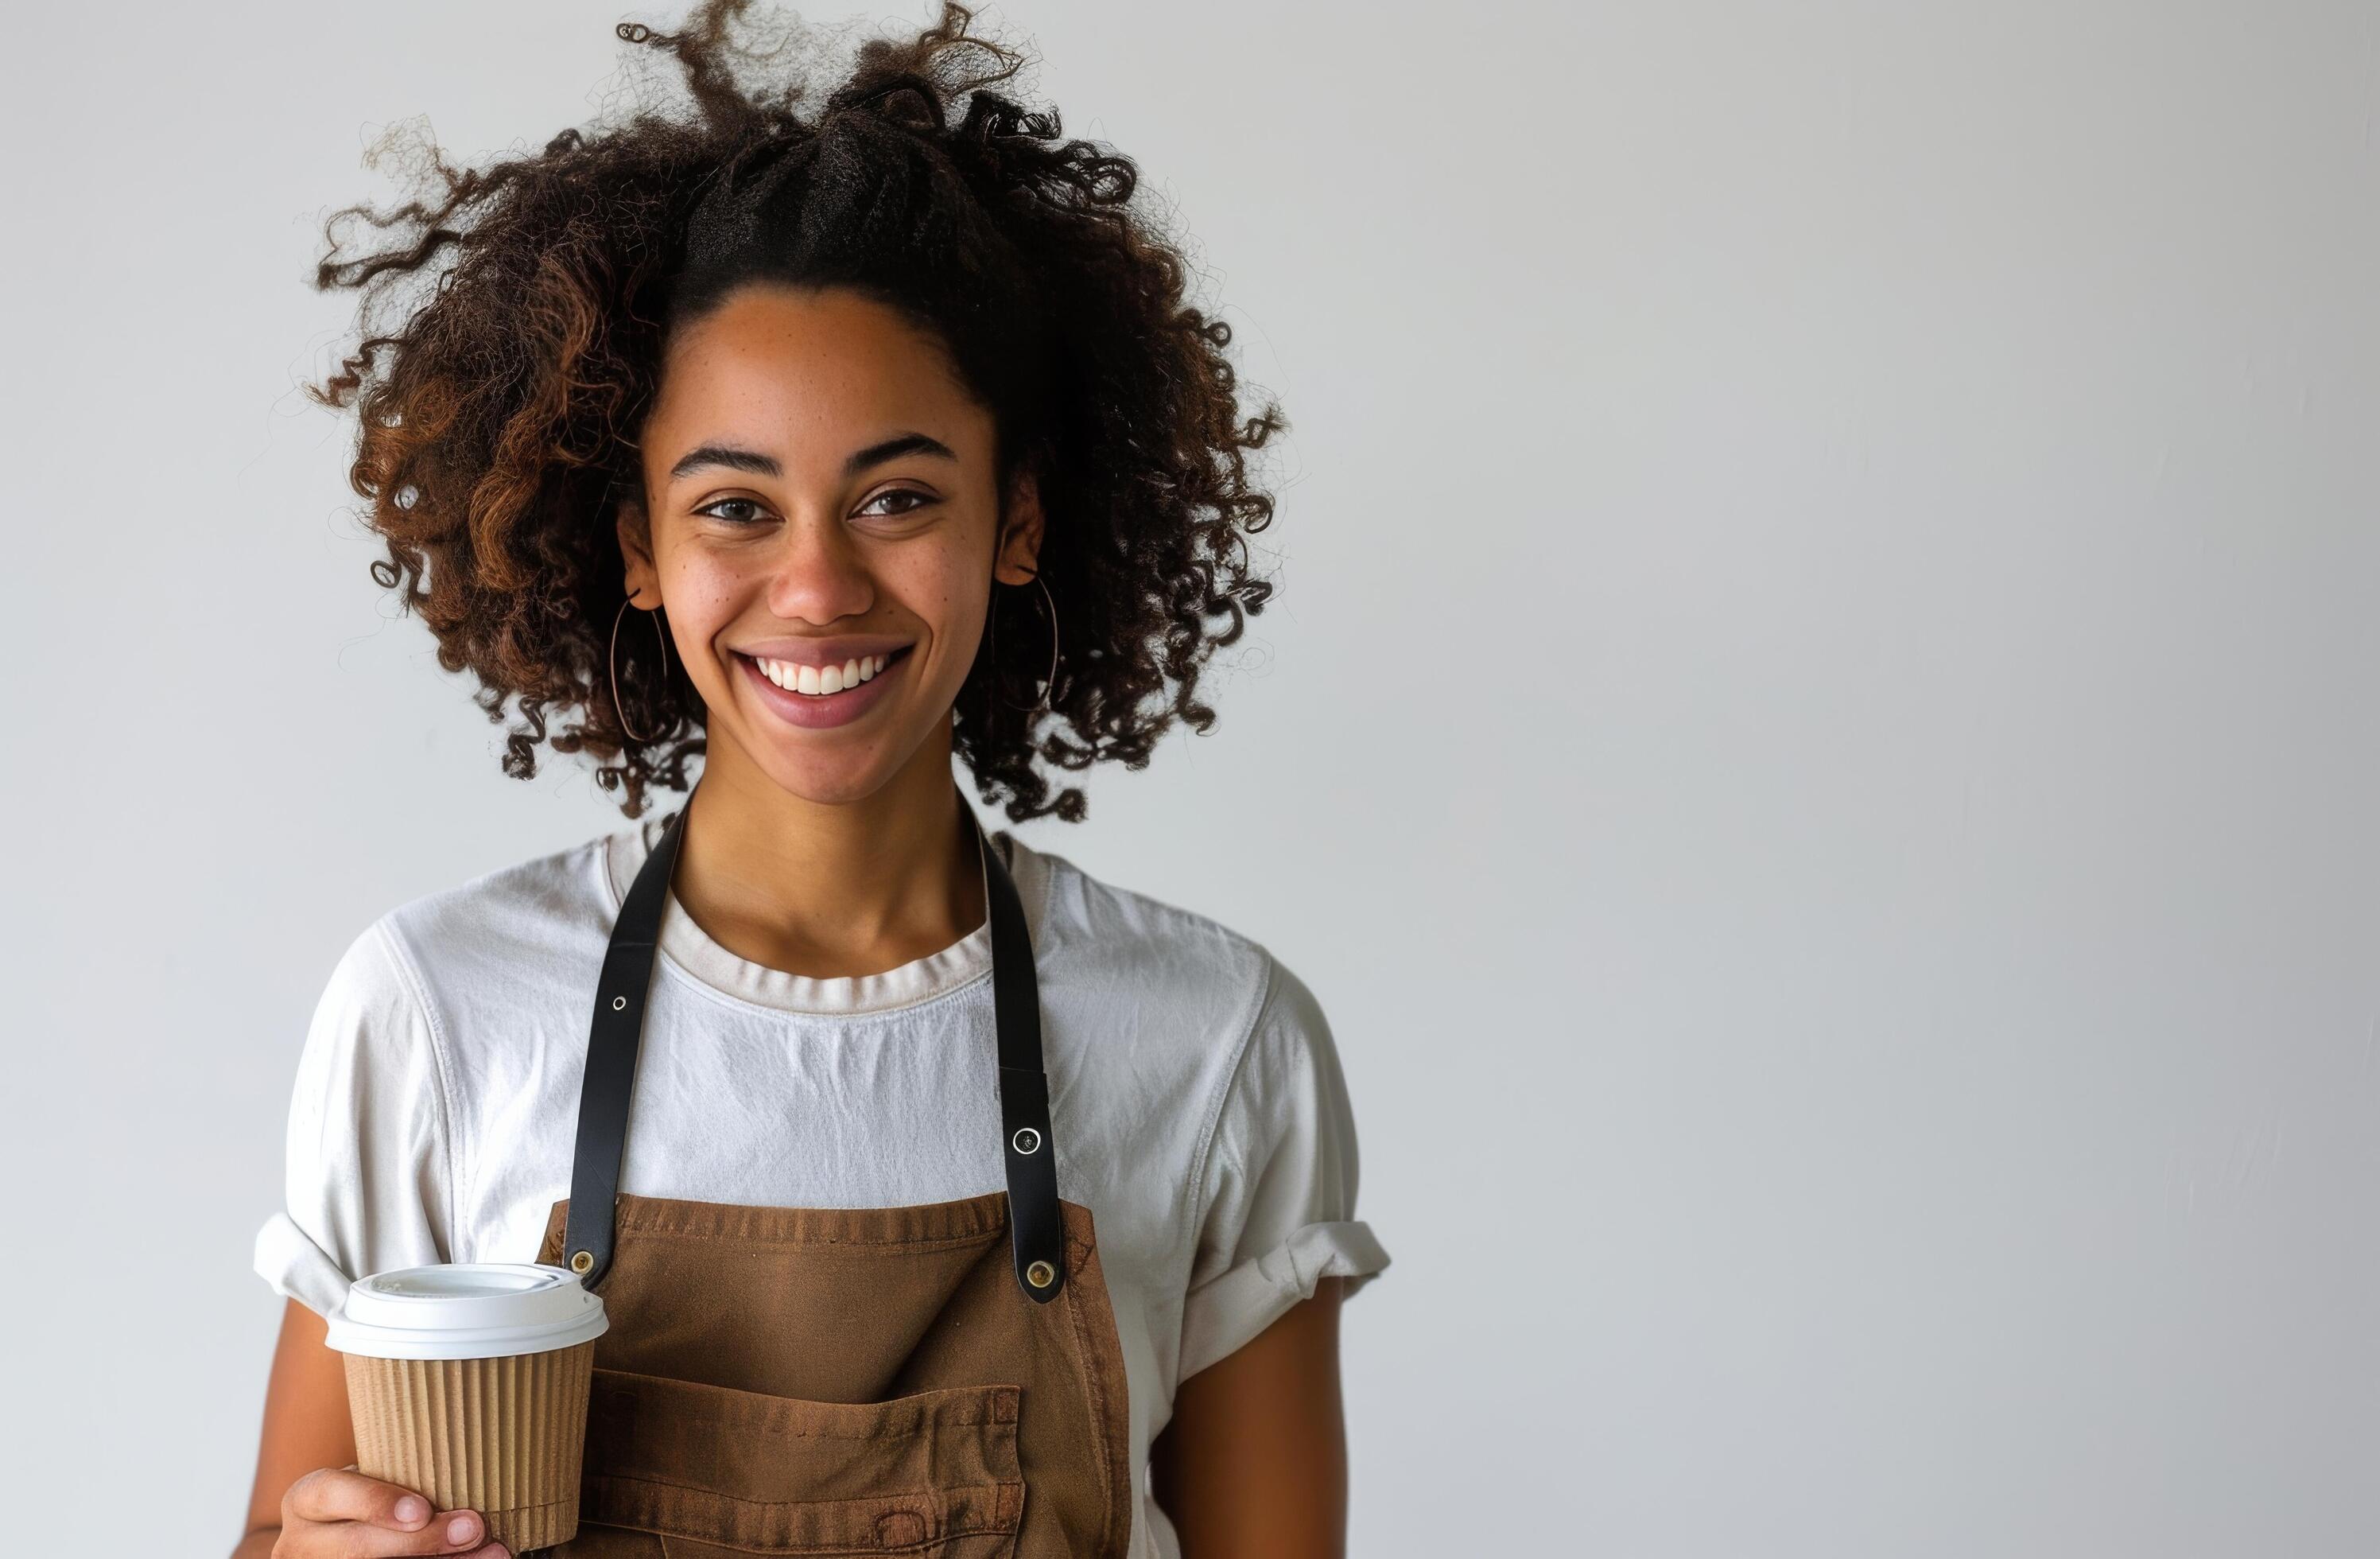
973 1204
517 319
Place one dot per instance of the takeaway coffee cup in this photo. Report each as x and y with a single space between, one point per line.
467 1382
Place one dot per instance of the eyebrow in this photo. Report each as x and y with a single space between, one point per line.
729 458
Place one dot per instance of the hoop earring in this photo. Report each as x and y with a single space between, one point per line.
993 648
634 735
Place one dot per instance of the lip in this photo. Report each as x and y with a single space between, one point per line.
820 710
823 652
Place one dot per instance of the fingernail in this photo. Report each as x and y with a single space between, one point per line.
460 1530
412 1508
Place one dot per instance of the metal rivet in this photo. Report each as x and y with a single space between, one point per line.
583 1263
1026 1140
1040 1274
619 1002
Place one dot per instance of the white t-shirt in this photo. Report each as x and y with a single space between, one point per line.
1196 1096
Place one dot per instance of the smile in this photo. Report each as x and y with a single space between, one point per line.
822 680
814 697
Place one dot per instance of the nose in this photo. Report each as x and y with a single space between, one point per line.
815 575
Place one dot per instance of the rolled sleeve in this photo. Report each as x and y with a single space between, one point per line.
1278 1187
287 1258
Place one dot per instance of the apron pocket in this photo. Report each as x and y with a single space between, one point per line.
715 1472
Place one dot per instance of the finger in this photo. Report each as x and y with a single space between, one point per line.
460 1529
341 1493
448 1532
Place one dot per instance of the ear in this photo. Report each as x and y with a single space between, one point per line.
1018 558
635 532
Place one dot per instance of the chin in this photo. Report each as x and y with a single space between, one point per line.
828 778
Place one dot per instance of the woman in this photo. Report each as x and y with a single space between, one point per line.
831 445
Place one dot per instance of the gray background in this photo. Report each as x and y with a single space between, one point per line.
1817 741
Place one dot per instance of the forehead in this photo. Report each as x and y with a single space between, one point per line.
809 372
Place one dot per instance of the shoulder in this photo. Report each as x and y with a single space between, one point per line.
567 887
1166 964
503 927
1077 914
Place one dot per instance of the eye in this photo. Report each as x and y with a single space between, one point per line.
919 501
751 505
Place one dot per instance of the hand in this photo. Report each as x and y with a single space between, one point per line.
337 1513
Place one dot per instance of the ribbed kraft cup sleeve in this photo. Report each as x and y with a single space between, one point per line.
502 1436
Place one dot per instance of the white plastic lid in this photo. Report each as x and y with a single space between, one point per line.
466 1309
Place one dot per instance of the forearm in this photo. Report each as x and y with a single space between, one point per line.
258 1544
1254 1464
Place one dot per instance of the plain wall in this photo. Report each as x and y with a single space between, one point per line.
1817 742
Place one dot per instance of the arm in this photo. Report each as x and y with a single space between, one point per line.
369 1158
1253 1461
306 1424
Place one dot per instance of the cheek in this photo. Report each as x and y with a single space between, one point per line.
940 586
704 594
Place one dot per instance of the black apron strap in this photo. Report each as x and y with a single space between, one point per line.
1037 1232
611 1045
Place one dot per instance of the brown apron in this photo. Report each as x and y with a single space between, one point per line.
831 1381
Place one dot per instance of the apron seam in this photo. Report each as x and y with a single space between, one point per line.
1017 1483
1114 1456
812 1435
935 1493
937 1243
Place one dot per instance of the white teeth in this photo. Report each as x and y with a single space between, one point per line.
820 681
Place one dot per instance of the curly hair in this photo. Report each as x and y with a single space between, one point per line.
511 319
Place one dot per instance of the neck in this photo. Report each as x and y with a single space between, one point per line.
830 889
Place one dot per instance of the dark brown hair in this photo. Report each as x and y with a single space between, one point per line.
511 319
